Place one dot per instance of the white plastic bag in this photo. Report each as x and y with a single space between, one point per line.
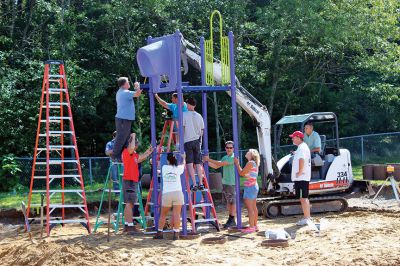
277 234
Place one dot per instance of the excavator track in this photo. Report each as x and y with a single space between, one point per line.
275 208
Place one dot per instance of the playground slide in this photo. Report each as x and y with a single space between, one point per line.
248 102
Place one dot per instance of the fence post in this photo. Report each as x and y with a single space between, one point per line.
362 148
90 171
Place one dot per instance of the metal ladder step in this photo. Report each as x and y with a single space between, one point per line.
56 104
204 204
38 218
205 220
56 133
60 205
58 191
67 221
57 147
56 90
57 162
56 76
55 176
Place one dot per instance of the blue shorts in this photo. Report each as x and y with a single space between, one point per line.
250 192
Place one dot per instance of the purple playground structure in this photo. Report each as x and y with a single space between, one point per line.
162 56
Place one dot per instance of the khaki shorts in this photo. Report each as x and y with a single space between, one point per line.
170 199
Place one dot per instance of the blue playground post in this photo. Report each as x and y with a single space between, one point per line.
154 145
205 118
235 125
177 36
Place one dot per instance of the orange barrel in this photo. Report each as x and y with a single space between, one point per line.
380 172
368 171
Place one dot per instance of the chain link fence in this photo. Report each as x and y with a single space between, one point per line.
374 148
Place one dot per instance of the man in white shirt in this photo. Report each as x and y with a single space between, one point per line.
301 174
193 126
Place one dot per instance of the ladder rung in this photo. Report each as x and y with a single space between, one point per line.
38 218
52 107
61 147
56 176
57 89
50 121
54 80
57 162
56 133
58 191
60 205
56 147
56 76
61 132
67 205
205 204
57 104
205 220
67 221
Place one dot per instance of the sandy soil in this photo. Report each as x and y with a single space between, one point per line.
358 237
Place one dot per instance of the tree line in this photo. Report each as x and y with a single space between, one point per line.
295 56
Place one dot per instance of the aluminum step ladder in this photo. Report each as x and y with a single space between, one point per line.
118 216
165 145
201 205
56 153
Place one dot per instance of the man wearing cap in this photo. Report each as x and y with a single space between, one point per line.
301 174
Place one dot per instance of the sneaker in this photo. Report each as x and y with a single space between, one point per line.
248 230
193 188
201 187
303 222
230 223
159 235
176 236
257 229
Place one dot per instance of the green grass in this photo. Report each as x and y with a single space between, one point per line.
10 200
357 172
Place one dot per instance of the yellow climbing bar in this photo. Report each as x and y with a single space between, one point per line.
209 54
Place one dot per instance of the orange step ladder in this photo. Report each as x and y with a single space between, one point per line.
56 159
168 127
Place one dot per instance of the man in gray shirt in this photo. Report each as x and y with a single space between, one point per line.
193 126
125 115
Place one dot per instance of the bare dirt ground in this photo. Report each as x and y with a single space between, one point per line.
366 235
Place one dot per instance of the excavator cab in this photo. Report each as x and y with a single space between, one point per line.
333 171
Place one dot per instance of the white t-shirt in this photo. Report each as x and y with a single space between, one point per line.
171 178
302 152
193 124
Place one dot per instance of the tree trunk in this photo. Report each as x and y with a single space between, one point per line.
28 13
275 73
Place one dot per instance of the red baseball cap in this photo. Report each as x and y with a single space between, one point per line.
297 134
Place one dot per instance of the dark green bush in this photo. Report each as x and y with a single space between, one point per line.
8 172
